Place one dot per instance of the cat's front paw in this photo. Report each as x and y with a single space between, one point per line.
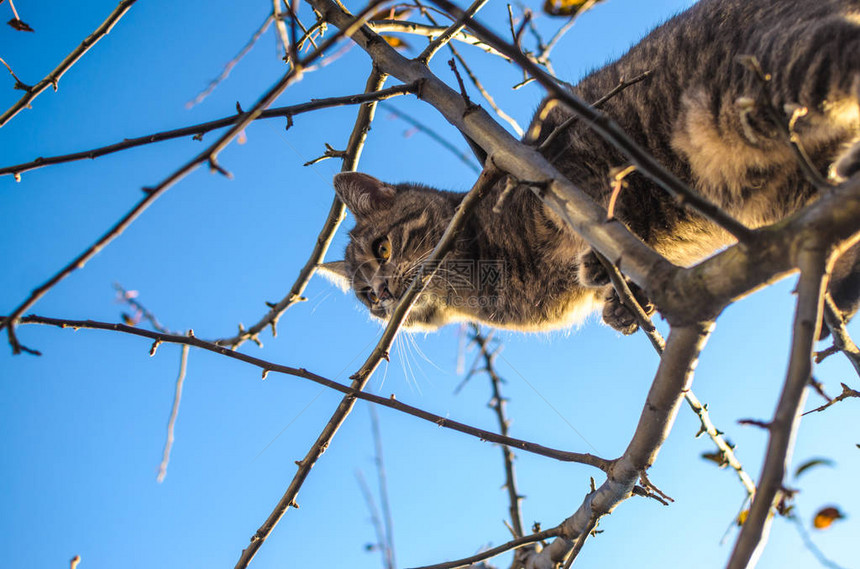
621 318
592 273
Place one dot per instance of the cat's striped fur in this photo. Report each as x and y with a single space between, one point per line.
701 113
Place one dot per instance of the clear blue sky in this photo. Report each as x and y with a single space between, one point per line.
83 426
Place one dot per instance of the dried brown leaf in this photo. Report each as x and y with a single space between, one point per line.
19 25
826 516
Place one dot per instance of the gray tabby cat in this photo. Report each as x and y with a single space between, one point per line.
700 113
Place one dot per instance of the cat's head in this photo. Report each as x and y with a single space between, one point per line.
396 228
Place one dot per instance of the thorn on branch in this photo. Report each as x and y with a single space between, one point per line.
755 423
154 348
847 393
215 167
330 152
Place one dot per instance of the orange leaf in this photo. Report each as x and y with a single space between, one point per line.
742 517
395 42
826 516
564 7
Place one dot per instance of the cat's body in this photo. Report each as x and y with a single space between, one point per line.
701 114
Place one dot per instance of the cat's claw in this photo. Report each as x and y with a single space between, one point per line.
592 273
621 318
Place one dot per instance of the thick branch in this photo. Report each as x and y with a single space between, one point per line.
752 538
54 76
707 426
572 204
672 380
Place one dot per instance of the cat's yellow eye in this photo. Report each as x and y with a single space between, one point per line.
383 249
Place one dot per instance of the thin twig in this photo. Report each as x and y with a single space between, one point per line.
375 520
354 148
362 376
230 64
18 83
208 155
497 403
622 85
129 298
847 393
462 156
477 83
198 130
54 76
841 339
543 56
812 260
174 412
283 35
580 541
388 521
452 30
388 402
490 553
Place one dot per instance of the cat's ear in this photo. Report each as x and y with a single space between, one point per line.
336 273
361 193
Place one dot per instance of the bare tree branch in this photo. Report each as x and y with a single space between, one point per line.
497 404
380 352
389 26
444 142
490 553
18 83
475 81
752 538
387 519
442 39
268 366
230 64
336 213
674 377
841 340
208 155
54 76
199 129
727 452
174 412
847 393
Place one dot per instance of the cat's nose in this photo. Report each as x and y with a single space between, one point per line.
384 294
